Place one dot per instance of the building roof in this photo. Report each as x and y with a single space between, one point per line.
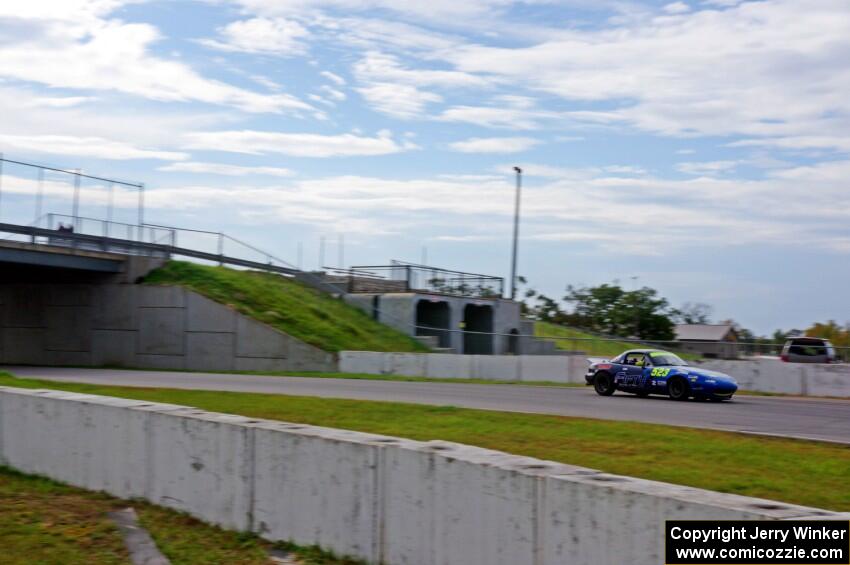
703 332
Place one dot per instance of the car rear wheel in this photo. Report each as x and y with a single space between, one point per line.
678 389
603 384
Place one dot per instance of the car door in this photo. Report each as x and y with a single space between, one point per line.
656 378
632 370
647 374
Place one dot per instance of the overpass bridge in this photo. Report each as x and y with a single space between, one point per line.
454 311
97 250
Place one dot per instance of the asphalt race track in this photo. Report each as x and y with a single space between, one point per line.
806 418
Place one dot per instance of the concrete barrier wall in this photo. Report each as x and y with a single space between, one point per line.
160 327
555 368
772 375
382 499
763 375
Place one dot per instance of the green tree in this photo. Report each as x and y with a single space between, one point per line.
836 333
692 313
598 306
610 309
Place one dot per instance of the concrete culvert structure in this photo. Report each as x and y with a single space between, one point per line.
478 318
434 314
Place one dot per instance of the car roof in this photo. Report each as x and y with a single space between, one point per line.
646 351
807 340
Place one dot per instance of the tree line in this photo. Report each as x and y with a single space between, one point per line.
644 314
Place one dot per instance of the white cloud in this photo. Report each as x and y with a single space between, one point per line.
494 145
706 167
331 92
24 116
516 101
443 11
224 169
333 78
372 33
82 50
297 144
269 36
799 142
381 67
772 69
571 205
395 90
84 11
474 178
85 147
574 205
677 8
59 102
496 117
624 170
398 100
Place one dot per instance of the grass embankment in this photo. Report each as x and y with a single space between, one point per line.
573 339
45 522
800 472
288 305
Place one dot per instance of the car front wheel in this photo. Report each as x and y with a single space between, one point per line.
678 389
604 385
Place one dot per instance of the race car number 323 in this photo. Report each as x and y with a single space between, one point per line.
658 372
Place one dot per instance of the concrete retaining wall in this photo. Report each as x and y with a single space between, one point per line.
160 327
555 368
382 499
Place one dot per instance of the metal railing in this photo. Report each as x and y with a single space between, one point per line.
160 245
400 276
77 177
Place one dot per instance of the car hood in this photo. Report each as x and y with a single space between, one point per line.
704 373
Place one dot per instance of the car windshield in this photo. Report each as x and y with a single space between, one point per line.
661 358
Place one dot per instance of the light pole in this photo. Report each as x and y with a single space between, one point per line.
516 231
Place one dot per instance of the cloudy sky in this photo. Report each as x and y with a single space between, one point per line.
702 147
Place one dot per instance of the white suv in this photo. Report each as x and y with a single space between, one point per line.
808 350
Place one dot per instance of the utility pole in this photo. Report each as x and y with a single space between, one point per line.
321 253
516 231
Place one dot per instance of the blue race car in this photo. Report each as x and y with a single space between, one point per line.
651 371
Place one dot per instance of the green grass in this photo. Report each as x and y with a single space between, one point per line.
288 305
45 522
591 344
793 471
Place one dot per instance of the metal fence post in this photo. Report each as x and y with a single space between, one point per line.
109 208
39 197
76 205
141 207
220 249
